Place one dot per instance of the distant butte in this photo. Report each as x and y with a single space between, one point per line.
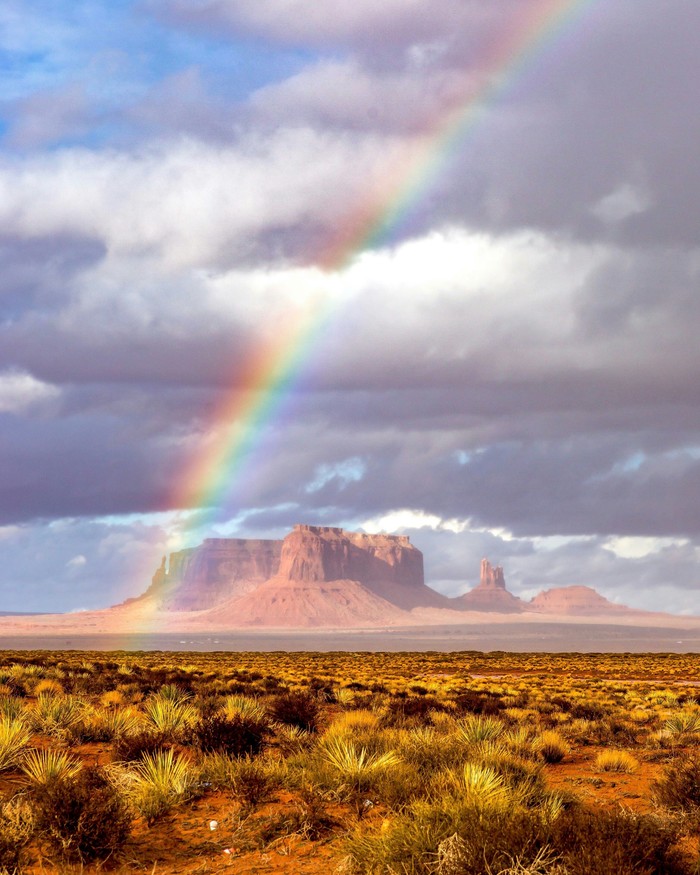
491 593
320 576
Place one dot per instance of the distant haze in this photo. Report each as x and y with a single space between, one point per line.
512 371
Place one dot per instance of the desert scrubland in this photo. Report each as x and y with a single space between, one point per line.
351 762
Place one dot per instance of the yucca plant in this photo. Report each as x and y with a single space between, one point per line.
44 766
169 717
243 706
173 693
477 729
14 737
159 782
11 708
357 768
483 786
55 715
683 724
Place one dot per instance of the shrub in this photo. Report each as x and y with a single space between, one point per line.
160 781
47 766
127 748
616 761
472 702
296 709
16 828
551 747
82 817
252 781
679 786
238 736
14 737
616 843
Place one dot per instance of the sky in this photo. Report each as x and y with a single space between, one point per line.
509 370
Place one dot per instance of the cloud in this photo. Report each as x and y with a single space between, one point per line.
20 392
511 361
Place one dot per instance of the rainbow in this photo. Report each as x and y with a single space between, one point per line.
277 367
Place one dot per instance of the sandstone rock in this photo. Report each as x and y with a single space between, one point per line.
575 601
388 565
199 578
491 594
307 604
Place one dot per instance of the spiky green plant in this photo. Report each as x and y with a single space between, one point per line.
357 769
56 715
683 724
477 729
159 782
14 737
11 708
243 706
169 717
44 766
483 786
173 693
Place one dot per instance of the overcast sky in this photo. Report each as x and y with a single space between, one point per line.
510 371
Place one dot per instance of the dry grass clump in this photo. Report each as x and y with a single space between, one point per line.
616 761
551 746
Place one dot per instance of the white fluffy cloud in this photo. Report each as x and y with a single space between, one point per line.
19 392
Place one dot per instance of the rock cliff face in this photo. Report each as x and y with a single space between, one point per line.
320 576
387 569
221 568
388 565
491 593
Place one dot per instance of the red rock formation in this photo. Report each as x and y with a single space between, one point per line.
582 601
202 577
388 565
307 604
491 593
385 571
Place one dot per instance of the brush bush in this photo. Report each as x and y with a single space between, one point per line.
237 736
132 747
82 818
297 708
679 786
